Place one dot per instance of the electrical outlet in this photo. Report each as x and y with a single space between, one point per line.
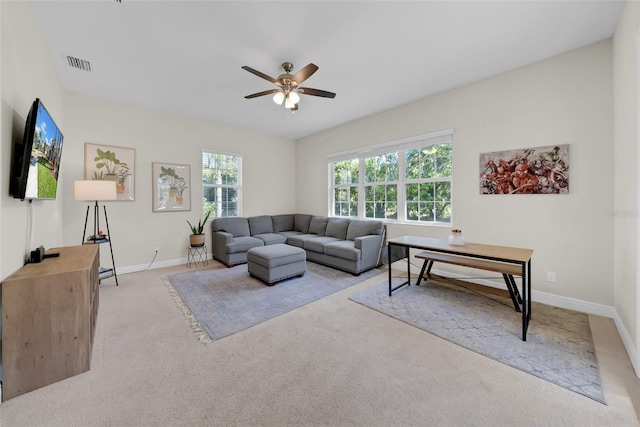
157 249
551 276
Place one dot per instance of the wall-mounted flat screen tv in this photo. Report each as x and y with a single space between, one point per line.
36 162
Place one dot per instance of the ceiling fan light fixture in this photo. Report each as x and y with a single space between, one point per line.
293 96
288 103
289 89
278 98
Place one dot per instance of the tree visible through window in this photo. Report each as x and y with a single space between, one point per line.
408 181
221 183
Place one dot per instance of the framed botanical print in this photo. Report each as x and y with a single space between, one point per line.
171 182
106 162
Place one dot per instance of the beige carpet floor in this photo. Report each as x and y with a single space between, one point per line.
332 362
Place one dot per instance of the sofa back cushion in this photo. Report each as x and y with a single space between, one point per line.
260 224
237 226
301 223
318 225
282 223
359 228
337 227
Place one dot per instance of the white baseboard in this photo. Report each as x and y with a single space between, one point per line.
153 266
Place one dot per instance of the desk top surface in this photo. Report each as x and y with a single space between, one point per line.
505 253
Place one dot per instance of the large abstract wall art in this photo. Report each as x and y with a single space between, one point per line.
540 170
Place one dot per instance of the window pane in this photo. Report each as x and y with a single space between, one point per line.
381 168
443 191
427 211
219 169
346 172
222 201
443 211
412 160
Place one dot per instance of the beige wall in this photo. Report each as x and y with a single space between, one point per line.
27 73
563 100
625 187
156 136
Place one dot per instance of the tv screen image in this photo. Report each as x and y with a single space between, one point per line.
38 165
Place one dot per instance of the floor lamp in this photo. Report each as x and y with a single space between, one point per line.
95 191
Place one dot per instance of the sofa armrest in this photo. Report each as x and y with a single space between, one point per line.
369 249
219 240
222 236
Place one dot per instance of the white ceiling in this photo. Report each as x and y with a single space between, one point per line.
185 56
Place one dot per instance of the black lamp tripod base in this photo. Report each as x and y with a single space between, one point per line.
103 273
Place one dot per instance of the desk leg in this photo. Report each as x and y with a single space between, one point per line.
427 263
513 290
389 262
408 281
526 298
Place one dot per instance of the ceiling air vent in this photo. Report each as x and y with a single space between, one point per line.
78 63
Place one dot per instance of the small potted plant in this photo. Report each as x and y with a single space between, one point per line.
197 231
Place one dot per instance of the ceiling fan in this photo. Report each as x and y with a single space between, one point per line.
289 85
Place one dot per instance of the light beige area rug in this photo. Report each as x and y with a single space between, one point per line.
559 346
224 301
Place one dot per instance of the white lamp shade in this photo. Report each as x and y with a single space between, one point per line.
278 98
294 97
94 190
288 103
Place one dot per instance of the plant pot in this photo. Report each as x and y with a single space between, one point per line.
119 189
196 240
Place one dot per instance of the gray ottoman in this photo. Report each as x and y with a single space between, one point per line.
273 263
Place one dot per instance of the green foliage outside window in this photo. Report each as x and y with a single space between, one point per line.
220 184
421 184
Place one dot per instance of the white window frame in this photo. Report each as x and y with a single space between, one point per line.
401 146
237 186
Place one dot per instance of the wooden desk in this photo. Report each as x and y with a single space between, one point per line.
518 256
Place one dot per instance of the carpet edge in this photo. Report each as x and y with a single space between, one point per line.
201 334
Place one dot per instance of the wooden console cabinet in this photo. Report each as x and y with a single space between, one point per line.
49 312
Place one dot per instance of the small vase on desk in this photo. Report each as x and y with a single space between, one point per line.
456 238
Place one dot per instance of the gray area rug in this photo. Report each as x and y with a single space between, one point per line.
223 301
559 346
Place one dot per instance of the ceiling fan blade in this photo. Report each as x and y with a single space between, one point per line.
305 73
263 93
260 74
316 92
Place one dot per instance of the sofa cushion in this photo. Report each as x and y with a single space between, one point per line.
318 225
358 228
282 223
271 238
301 223
290 233
343 249
317 244
236 226
260 224
242 244
300 239
337 227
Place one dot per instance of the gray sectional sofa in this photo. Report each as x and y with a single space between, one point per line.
346 244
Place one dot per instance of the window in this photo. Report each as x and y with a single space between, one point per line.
381 186
345 188
408 180
221 183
